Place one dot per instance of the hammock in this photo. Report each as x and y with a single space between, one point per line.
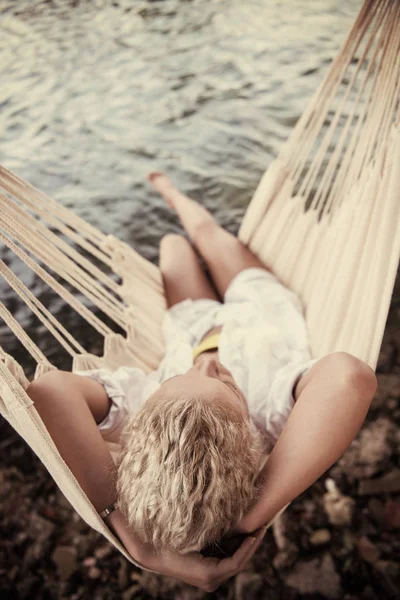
325 215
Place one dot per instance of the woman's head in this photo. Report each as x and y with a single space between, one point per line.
189 460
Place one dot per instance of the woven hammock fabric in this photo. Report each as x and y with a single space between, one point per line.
341 255
325 216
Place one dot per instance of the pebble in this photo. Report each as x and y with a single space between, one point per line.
39 527
94 573
389 567
348 540
338 507
389 483
247 585
316 577
388 387
370 452
90 561
21 537
368 551
65 558
62 501
392 513
13 573
308 510
130 592
285 559
320 537
387 358
376 509
123 573
103 551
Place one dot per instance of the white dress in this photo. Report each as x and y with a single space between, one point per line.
263 342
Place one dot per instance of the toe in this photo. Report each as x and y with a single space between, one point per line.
154 174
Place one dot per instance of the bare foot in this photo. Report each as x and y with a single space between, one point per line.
164 186
190 212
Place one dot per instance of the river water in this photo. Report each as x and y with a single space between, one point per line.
95 94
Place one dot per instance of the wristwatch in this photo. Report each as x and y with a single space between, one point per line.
109 509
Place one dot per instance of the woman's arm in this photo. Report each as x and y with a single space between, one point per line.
70 406
333 398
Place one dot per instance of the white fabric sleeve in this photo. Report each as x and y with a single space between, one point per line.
280 400
124 388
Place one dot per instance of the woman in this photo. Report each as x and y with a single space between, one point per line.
237 383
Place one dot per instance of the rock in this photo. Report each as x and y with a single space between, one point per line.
348 540
247 584
338 507
14 473
320 537
158 586
65 559
285 559
370 451
62 501
13 573
387 356
39 530
390 571
316 577
103 551
392 513
49 512
190 593
90 561
385 548
94 573
78 524
388 387
308 510
21 537
388 567
130 592
40 527
38 548
376 509
279 532
389 483
368 551
123 573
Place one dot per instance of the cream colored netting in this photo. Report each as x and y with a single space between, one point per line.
341 164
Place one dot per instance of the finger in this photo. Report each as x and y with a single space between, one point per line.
230 566
254 547
245 550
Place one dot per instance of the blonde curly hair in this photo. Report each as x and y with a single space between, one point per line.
187 470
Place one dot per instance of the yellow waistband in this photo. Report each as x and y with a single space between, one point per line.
209 343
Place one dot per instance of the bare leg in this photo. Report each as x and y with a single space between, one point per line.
191 214
182 274
223 253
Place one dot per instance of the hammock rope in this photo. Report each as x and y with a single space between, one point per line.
336 172
56 254
57 287
325 216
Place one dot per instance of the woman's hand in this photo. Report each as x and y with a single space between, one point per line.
203 572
